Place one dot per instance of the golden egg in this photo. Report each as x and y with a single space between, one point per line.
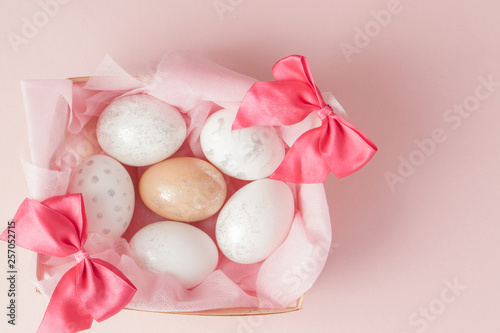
183 189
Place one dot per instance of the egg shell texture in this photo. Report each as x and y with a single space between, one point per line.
249 154
184 189
179 249
255 221
140 130
108 194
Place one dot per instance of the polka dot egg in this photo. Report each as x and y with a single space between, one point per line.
108 194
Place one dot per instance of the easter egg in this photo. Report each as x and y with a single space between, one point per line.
255 221
108 194
140 130
250 153
179 249
183 189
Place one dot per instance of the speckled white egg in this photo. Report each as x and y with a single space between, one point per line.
177 248
108 194
250 153
255 221
140 130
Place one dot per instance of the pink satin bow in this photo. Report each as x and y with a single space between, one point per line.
335 146
93 288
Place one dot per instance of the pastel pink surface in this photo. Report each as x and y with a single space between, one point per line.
394 252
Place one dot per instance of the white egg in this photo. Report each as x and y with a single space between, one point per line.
250 153
140 130
108 194
255 221
179 249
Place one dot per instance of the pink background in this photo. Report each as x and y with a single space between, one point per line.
398 249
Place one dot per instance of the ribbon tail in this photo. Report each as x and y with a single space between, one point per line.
303 163
104 289
92 289
66 312
344 148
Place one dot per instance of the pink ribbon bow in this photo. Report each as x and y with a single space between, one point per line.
93 288
335 146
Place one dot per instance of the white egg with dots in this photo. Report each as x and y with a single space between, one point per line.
108 194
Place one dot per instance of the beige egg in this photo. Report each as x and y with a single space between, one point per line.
184 189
